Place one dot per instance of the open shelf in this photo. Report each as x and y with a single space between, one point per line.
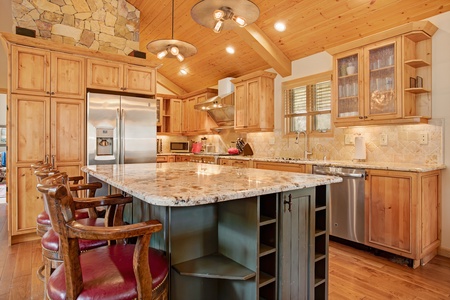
265 249
265 279
265 220
417 63
417 90
214 266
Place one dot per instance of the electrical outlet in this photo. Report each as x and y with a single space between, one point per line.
271 141
349 139
383 139
423 138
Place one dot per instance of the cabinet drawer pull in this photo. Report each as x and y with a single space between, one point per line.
289 203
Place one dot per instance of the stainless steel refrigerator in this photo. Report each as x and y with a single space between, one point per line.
120 129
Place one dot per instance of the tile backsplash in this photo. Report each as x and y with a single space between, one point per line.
403 144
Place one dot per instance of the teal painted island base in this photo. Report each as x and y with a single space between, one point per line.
265 247
232 233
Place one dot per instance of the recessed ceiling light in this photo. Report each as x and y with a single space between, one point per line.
183 72
230 50
280 26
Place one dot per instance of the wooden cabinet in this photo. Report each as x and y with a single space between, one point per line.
279 166
402 213
116 76
169 115
386 79
196 121
165 158
303 244
42 128
368 85
204 159
44 73
254 102
182 158
235 162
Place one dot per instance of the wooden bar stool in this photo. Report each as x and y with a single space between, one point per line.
50 243
116 271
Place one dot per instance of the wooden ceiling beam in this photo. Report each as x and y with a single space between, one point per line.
168 84
265 48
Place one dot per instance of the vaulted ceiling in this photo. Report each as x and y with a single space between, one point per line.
312 26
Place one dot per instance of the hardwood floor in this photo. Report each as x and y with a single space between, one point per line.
18 266
354 274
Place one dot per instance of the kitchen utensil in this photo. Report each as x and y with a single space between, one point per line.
233 151
196 147
247 150
240 144
210 148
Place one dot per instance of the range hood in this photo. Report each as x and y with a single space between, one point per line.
221 108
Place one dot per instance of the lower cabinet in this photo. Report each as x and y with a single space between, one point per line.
243 249
165 158
235 162
279 166
182 158
402 213
303 245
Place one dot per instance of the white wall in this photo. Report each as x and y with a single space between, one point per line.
441 109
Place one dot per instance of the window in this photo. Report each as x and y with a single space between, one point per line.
307 104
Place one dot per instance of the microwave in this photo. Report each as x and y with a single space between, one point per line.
180 146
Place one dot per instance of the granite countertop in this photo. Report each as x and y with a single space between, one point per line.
190 184
406 167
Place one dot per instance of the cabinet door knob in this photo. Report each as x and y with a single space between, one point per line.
360 117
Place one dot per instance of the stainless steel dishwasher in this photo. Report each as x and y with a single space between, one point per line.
346 202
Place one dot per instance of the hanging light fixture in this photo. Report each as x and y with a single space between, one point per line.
171 48
224 14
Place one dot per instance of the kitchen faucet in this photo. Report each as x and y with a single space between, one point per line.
306 153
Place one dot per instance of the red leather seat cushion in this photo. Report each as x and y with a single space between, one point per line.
50 240
44 219
108 274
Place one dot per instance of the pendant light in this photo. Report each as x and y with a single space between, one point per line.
224 14
171 48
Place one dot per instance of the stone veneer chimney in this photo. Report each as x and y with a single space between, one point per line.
105 25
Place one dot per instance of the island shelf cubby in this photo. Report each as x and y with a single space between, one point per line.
226 250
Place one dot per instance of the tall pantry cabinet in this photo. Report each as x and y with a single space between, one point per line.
47 123
46 113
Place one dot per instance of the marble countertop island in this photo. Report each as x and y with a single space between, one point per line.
191 184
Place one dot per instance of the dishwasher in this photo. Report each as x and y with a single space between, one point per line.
346 202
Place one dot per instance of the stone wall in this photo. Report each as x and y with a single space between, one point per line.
105 25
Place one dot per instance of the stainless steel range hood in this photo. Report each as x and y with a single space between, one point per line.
221 107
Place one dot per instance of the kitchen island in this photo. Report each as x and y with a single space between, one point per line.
232 233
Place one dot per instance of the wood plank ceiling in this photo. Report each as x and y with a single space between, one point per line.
312 26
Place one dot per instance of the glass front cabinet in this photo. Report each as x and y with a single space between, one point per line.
368 83
385 78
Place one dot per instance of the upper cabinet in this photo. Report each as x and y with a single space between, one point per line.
116 76
169 115
254 102
42 72
385 78
196 121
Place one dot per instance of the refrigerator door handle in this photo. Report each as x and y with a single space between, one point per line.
122 142
118 133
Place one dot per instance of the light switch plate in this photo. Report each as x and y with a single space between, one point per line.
383 139
423 138
349 139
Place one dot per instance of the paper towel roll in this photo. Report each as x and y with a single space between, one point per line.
360 148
